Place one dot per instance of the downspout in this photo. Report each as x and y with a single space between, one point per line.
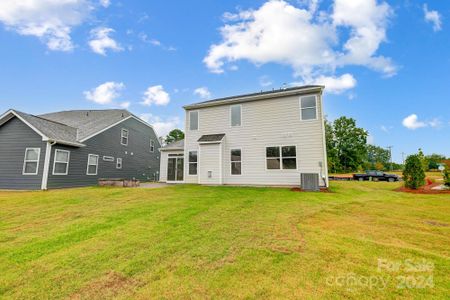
325 157
48 152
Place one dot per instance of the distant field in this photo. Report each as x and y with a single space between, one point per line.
362 241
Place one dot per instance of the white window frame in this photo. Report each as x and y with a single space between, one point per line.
119 159
234 161
61 162
302 108
122 136
281 157
231 116
25 161
198 120
152 146
189 163
108 158
96 169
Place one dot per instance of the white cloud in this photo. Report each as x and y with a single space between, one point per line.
105 3
157 43
105 93
49 20
432 16
435 123
336 85
265 81
162 126
386 129
125 104
306 40
101 41
412 122
155 95
202 92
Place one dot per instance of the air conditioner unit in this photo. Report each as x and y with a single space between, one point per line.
309 181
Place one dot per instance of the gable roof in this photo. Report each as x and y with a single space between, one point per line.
211 138
299 90
88 122
71 127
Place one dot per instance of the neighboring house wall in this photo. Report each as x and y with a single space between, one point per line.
164 158
15 137
271 122
137 160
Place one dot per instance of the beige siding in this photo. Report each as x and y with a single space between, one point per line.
272 122
210 161
163 167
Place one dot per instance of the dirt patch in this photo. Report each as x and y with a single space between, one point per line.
434 223
106 287
426 189
322 190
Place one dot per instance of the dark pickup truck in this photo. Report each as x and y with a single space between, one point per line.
376 176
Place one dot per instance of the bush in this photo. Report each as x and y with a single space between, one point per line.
413 174
447 177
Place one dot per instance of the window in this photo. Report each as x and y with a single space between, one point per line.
236 162
281 158
108 158
193 120
308 107
152 146
31 161
92 165
236 115
193 162
119 163
61 162
124 137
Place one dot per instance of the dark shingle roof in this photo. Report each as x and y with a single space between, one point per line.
174 146
88 122
211 137
244 97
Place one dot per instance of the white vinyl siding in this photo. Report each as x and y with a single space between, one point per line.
61 162
124 137
92 164
271 122
236 115
31 161
193 120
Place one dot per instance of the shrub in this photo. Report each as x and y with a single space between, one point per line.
413 174
447 177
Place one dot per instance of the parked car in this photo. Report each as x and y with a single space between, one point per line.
376 176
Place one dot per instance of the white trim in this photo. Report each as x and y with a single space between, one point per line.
181 156
152 145
231 162
117 123
231 116
122 136
325 157
117 163
25 161
108 158
61 162
198 120
48 154
44 137
189 163
221 163
301 109
96 169
198 166
281 158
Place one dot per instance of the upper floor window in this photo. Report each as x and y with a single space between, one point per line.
31 161
61 162
152 146
124 137
308 107
236 162
236 115
193 162
119 163
193 120
92 165
281 158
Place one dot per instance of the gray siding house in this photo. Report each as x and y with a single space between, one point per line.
272 138
75 148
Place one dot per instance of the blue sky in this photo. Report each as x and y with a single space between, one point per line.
387 64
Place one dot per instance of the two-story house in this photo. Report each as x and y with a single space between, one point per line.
270 138
75 148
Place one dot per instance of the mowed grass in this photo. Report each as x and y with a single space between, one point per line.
201 242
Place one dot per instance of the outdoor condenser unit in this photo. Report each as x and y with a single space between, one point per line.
309 181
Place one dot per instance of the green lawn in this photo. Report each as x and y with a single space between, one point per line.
224 242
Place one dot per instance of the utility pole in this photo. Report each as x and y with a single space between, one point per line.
390 154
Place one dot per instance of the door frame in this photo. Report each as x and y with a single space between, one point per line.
177 157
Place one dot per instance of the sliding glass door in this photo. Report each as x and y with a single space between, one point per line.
175 168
